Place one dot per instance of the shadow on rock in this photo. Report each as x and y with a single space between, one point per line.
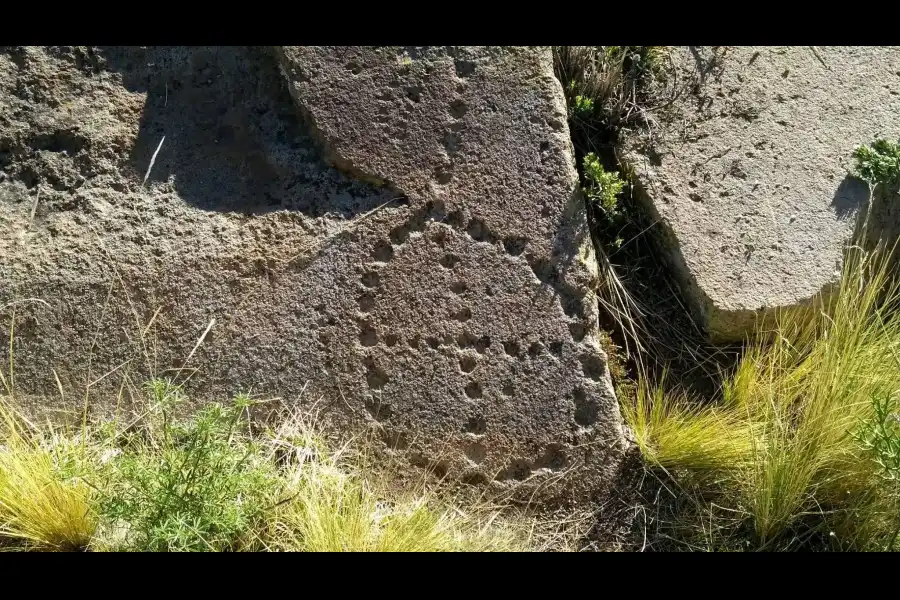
233 139
877 210
851 197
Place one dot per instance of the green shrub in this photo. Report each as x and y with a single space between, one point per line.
878 163
879 436
191 486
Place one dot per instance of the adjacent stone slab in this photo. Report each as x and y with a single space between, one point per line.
748 174
437 285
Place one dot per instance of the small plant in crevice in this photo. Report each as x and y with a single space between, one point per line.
609 89
583 107
602 188
879 162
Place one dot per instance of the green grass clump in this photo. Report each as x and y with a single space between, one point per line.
782 449
878 163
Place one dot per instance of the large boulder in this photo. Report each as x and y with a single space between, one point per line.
393 234
747 174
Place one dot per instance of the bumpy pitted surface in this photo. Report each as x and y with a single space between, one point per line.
436 286
748 173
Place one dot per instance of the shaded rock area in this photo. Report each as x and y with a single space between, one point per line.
747 173
391 234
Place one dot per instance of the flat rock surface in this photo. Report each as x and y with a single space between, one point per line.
748 173
390 234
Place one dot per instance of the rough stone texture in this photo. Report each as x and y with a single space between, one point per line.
437 286
748 174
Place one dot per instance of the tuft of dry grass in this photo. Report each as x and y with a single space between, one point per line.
781 441
335 507
675 431
39 507
611 81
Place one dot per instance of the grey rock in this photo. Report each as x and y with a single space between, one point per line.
748 173
391 235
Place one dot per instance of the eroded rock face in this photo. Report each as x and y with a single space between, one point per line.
435 283
748 174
